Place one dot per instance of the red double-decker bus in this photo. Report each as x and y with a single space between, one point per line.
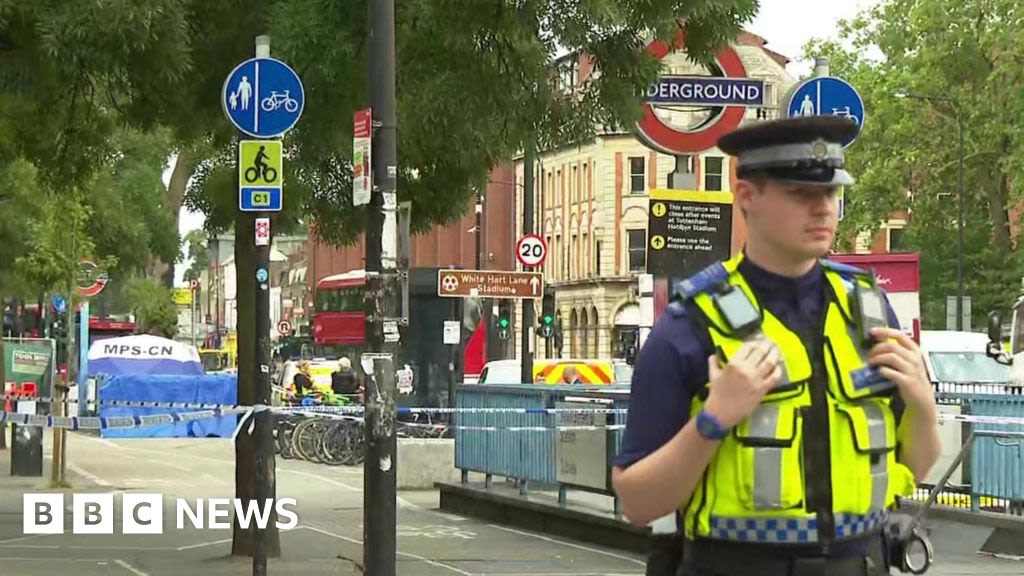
339 317
339 320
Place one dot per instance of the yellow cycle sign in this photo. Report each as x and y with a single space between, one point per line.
260 171
260 163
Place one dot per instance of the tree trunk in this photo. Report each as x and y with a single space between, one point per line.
183 167
243 541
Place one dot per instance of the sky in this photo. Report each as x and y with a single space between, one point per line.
776 22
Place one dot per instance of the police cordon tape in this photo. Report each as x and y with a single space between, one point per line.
209 411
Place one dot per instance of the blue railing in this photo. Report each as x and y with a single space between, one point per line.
485 443
996 463
496 443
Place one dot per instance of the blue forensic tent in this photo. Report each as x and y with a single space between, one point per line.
210 389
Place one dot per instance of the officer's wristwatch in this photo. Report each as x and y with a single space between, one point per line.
709 427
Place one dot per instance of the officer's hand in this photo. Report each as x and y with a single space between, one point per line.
737 389
900 360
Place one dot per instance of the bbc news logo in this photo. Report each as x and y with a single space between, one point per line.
144 513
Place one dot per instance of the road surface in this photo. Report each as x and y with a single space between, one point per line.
328 539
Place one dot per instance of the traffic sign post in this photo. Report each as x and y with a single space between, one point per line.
260 170
531 251
263 97
827 96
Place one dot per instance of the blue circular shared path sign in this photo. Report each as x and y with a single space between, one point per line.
828 96
263 97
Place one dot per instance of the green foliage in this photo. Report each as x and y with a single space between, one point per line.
72 73
473 84
128 201
198 252
19 209
153 306
907 158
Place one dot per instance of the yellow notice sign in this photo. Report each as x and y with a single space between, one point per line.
261 163
182 296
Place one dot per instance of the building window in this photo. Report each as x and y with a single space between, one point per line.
637 250
713 173
597 257
586 183
896 240
573 334
568 73
573 252
586 261
637 175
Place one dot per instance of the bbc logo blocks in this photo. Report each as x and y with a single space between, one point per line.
92 514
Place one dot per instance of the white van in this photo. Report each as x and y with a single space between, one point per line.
960 357
954 357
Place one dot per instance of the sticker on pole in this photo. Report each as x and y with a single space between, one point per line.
263 231
531 250
451 332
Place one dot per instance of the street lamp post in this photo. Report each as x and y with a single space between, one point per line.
960 198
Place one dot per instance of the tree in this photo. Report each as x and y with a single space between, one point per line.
153 306
970 51
196 242
474 88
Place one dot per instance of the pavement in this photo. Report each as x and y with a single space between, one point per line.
328 539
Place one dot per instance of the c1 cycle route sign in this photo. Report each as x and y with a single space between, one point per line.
260 166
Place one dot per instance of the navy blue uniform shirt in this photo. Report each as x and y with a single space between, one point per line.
672 366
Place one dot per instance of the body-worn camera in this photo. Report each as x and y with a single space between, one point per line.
869 313
739 313
868 308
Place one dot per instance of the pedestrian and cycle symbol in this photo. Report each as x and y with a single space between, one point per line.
260 168
263 97
827 96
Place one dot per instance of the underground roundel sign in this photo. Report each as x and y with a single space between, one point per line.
725 94
91 279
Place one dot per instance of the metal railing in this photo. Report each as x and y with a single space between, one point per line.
496 444
527 446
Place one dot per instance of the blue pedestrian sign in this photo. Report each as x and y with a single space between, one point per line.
60 305
263 97
827 95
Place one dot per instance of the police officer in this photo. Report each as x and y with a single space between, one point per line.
773 405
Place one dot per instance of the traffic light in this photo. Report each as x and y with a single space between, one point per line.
504 319
546 322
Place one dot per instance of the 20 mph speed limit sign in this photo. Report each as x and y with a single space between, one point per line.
531 250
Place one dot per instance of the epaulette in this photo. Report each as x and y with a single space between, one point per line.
845 269
702 281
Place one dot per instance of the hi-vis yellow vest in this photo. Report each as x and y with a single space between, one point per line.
757 485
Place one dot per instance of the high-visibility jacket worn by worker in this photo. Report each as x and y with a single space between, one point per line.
816 462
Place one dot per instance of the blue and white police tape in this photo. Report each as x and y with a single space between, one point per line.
404 410
113 422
